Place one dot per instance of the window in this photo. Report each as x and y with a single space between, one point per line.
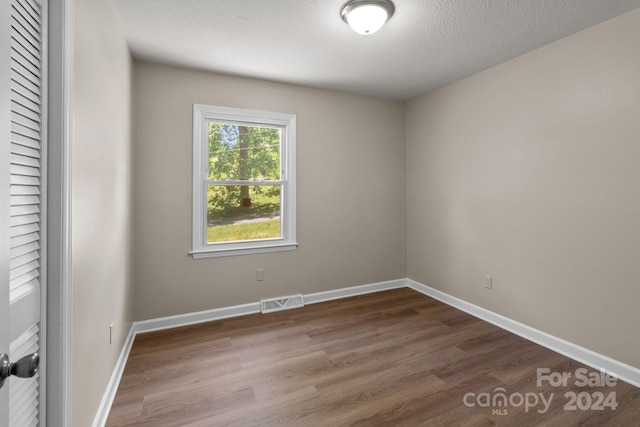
243 181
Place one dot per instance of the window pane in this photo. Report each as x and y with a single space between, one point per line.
243 212
243 152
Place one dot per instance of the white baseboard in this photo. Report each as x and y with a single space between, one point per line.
114 382
583 355
194 318
590 358
353 291
254 307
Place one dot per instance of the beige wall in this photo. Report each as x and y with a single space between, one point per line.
350 201
529 172
101 218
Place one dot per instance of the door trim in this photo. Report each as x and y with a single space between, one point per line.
60 290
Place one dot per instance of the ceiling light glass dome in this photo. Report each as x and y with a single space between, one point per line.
367 16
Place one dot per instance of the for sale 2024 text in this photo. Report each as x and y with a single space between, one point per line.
499 400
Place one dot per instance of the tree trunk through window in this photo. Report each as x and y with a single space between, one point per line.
245 200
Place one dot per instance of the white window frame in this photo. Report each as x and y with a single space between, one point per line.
202 114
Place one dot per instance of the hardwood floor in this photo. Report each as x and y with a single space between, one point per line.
385 359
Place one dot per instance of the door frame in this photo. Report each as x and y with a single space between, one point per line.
59 294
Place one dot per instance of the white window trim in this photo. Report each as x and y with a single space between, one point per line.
200 247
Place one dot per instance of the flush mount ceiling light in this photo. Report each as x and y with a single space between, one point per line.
367 16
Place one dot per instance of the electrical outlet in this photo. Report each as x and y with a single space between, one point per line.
488 282
260 275
112 332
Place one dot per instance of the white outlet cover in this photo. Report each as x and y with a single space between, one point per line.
488 282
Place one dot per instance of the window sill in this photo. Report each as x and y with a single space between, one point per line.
217 253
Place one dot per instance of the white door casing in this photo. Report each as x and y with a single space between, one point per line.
57 370
23 130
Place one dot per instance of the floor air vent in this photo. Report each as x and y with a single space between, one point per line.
282 303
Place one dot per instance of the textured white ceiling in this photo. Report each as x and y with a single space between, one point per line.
426 44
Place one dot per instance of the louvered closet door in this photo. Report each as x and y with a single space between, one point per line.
26 133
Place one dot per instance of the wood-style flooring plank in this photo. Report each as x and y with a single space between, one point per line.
384 359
